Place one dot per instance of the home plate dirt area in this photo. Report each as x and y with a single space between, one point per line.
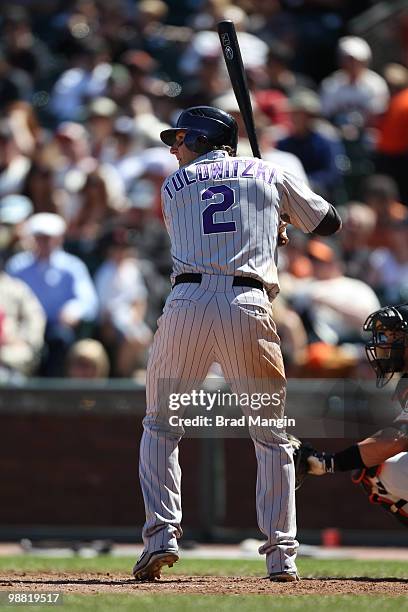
92 583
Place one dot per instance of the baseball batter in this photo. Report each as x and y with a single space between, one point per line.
222 213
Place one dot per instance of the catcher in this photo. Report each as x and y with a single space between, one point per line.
380 461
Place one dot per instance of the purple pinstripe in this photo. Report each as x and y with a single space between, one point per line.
215 321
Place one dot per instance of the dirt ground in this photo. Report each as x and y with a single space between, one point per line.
93 583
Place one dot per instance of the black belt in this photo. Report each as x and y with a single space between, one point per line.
239 281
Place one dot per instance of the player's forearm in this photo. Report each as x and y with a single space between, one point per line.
365 454
376 450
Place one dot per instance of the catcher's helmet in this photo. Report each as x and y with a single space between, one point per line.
389 339
207 128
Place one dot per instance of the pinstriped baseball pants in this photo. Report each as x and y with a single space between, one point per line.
201 324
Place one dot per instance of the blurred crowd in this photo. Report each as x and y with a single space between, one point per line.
86 86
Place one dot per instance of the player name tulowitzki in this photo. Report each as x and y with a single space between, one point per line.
221 421
220 170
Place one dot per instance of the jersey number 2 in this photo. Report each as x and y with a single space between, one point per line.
228 198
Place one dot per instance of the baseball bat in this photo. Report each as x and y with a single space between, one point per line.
236 71
235 66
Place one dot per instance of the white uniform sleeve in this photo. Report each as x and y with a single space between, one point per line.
305 208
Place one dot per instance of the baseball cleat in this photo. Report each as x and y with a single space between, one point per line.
284 577
148 567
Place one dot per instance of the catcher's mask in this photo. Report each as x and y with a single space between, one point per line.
389 340
207 128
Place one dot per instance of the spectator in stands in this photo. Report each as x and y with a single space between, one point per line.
123 298
72 140
39 187
14 83
380 192
22 324
279 74
206 42
87 359
141 67
392 147
275 105
292 335
388 273
359 222
271 21
151 243
125 155
100 198
101 114
335 305
148 234
85 79
73 164
207 83
354 94
157 165
151 32
318 152
14 210
148 123
28 133
23 50
208 14
61 283
13 165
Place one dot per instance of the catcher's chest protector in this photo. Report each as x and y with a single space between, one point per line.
369 479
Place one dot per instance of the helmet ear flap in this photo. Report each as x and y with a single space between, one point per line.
197 142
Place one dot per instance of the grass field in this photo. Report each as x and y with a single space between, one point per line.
39 572
226 603
217 567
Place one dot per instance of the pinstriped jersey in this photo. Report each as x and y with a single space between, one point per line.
222 215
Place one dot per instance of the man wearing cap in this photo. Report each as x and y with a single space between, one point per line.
60 281
354 89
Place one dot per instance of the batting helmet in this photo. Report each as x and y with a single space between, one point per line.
389 340
207 128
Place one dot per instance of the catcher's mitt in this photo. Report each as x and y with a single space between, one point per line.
301 453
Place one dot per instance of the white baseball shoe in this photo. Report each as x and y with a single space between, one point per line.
284 577
149 565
